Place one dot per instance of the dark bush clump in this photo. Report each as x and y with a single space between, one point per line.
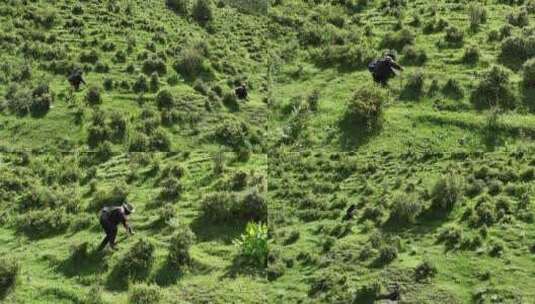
144 294
233 133
202 11
190 62
446 193
413 56
405 208
112 197
424 271
494 90
454 36
398 40
9 271
141 85
180 7
520 19
387 254
171 189
154 65
93 97
528 71
179 246
225 207
165 99
471 55
453 89
41 223
364 110
137 262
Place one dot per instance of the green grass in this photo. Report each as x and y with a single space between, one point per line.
49 275
335 180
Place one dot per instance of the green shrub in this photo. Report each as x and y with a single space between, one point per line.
413 56
364 110
425 271
253 207
144 294
513 49
253 244
471 55
519 19
154 65
154 82
138 142
415 84
141 85
202 11
446 193
453 89
528 71
219 207
112 197
477 14
9 271
398 40
494 89
41 223
179 246
405 208
190 62
165 99
93 97
159 140
387 254
138 261
180 7
233 133
171 189
454 35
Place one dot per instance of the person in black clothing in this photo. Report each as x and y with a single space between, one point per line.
350 212
110 217
241 92
384 69
75 79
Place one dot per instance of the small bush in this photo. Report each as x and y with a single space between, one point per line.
453 89
253 244
513 49
364 110
424 271
446 193
154 65
180 7
137 262
144 294
519 19
138 142
471 55
41 223
219 207
93 97
9 271
190 63
165 99
454 35
179 246
415 84
171 189
202 11
141 85
112 197
413 56
398 40
494 90
253 207
477 14
233 133
528 71
160 140
387 254
405 209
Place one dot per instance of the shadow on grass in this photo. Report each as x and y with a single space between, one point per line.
354 136
208 231
84 264
167 275
240 266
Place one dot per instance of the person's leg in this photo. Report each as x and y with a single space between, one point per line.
113 234
104 242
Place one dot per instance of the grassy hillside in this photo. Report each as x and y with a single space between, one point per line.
50 227
447 228
131 51
445 98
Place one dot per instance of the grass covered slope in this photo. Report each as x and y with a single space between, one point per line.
157 78
464 60
190 208
445 228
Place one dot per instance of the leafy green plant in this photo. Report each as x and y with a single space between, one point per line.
253 244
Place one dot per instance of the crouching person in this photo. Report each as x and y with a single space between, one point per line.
110 218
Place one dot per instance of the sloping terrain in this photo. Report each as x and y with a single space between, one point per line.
157 80
450 95
445 228
50 227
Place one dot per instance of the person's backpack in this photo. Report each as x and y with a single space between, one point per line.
371 66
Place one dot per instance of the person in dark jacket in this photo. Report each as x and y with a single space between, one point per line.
241 91
110 218
75 79
384 69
